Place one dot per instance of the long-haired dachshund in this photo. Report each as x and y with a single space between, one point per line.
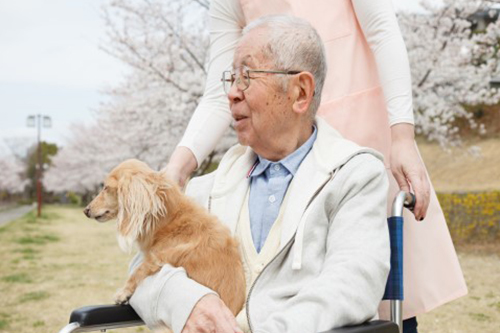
169 228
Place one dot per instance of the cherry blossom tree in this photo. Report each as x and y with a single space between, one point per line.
13 164
451 65
165 44
12 175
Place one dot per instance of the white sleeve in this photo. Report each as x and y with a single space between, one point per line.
212 116
167 297
380 27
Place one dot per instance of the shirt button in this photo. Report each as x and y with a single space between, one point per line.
272 198
277 167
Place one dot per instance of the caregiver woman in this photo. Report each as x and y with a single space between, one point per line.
367 98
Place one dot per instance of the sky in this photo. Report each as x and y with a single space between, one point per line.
51 64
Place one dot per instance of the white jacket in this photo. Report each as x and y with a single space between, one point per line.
333 260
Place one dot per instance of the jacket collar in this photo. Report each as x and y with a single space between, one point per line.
329 152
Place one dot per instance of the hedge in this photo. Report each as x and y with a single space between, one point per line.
472 217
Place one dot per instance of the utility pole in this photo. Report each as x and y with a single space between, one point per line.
36 121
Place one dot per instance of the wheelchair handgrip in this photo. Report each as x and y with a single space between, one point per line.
411 201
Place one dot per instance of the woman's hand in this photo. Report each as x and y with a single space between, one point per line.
181 165
407 167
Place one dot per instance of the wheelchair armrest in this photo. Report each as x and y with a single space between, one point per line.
375 326
99 317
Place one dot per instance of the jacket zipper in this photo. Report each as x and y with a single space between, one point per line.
283 249
251 288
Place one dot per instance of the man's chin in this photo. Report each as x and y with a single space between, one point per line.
242 139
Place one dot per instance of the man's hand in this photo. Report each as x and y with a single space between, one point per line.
408 169
211 315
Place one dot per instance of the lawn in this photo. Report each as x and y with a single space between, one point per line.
53 264
62 261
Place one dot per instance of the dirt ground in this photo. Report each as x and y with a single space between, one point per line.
464 168
64 261
479 311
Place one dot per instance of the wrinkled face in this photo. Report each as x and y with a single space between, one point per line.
262 112
104 207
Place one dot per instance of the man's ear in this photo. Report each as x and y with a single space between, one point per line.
303 92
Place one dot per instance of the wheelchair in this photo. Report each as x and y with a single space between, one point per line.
104 317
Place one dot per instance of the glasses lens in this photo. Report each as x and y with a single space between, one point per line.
227 81
243 80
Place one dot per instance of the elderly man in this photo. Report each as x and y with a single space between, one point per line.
308 206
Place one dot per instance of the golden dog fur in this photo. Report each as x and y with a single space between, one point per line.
169 228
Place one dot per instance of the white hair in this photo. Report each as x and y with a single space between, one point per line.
293 44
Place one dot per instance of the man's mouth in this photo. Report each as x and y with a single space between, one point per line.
238 120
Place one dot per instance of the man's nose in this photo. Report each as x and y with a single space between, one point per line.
86 211
234 94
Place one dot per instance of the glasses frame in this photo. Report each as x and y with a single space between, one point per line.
248 72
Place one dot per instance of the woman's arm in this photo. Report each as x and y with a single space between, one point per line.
212 117
380 27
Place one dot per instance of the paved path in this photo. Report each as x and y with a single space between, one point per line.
14 213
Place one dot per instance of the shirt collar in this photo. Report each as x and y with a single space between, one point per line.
290 162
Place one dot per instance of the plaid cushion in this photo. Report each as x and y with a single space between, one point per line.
394 287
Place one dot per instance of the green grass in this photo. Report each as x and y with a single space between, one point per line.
4 322
38 323
29 257
46 217
30 217
479 316
51 216
490 295
17 278
37 239
495 305
26 250
34 296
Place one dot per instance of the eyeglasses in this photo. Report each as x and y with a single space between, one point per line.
242 77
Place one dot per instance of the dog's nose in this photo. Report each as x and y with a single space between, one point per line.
86 211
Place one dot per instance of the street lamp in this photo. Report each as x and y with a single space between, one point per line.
39 121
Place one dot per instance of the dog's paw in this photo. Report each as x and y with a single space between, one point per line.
122 296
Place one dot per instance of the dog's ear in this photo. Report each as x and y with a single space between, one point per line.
140 204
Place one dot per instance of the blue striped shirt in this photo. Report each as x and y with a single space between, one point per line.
269 182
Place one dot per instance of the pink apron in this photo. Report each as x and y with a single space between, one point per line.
353 103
